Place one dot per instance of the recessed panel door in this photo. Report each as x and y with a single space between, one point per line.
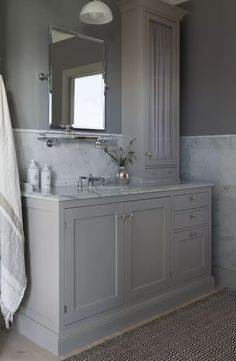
148 247
94 261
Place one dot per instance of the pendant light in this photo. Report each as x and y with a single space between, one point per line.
96 12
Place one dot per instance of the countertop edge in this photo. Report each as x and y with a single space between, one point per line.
116 193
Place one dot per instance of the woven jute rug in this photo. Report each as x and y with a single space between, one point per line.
202 331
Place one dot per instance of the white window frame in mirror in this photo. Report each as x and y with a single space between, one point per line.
67 81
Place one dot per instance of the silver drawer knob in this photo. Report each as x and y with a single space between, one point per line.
193 216
149 155
193 198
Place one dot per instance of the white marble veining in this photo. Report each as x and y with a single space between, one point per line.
213 158
65 193
68 160
209 158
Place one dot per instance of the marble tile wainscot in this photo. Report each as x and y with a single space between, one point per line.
68 160
103 262
213 158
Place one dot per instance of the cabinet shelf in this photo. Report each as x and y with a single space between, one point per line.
54 138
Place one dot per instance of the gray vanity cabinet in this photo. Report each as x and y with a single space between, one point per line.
94 260
191 254
162 96
100 264
150 86
148 247
101 242
191 241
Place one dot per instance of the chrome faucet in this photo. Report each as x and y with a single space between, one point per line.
80 181
91 180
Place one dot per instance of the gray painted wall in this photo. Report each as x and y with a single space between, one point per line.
2 35
24 50
208 68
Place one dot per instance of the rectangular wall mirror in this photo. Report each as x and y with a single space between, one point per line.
77 85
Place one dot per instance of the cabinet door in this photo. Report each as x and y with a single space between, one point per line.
162 100
191 254
94 260
148 241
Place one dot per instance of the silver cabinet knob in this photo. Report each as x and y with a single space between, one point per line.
149 155
123 217
193 234
193 215
193 198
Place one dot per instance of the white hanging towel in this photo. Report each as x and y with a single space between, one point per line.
12 261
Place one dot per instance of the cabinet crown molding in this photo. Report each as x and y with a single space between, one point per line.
157 6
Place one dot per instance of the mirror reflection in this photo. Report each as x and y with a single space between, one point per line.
77 83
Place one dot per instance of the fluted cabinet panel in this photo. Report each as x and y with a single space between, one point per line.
161 91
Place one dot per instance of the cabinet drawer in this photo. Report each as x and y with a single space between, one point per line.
191 218
191 254
161 173
191 200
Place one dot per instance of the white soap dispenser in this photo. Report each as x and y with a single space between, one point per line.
33 175
45 179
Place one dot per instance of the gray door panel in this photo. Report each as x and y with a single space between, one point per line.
148 247
94 260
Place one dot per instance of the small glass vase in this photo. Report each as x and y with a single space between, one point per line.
122 176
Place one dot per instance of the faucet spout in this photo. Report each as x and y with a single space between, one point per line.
90 181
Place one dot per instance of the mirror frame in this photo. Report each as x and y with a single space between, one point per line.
68 125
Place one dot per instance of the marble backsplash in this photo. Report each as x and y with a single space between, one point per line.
213 158
203 158
68 160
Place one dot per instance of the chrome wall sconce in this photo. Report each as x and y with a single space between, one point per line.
43 77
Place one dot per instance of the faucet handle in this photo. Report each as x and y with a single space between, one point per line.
90 180
103 181
80 183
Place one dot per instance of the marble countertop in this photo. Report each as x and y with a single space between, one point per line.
67 193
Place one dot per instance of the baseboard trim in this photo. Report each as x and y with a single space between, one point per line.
37 333
76 336
82 336
224 277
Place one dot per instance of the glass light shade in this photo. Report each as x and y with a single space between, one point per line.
96 12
